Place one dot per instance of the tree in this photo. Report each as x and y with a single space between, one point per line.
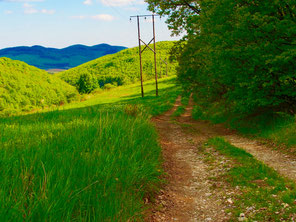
241 51
87 83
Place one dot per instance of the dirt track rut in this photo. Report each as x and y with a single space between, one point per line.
189 196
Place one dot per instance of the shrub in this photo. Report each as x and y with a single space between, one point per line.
86 83
109 86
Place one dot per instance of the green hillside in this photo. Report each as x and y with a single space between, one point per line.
119 69
92 163
24 87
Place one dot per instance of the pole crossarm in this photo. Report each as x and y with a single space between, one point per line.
141 16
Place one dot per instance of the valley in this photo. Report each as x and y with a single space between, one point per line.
81 142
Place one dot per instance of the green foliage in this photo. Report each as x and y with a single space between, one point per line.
277 127
122 68
109 86
242 52
24 87
260 186
86 83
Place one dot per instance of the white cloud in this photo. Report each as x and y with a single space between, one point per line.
79 17
103 17
29 9
8 12
48 12
88 2
122 2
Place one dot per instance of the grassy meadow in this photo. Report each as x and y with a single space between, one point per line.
97 160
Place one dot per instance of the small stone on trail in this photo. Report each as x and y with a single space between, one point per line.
208 194
250 209
242 217
285 205
208 219
230 201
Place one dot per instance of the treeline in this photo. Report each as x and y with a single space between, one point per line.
239 52
24 87
119 69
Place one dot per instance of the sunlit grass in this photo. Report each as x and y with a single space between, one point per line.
92 161
125 94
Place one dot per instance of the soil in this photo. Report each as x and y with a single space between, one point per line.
189 194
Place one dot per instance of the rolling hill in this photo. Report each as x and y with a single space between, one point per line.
24 87
121 68
52 58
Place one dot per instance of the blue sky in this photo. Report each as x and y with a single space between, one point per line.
60 23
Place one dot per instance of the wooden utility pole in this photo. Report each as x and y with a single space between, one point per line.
140 55
155 61
147 46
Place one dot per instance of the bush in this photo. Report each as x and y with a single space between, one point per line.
109 86
87 83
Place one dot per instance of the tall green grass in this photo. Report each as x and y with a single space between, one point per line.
77 165
94 163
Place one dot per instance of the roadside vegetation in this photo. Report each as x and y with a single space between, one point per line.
98 161
238 59
119 69
278 128
261 193
24 87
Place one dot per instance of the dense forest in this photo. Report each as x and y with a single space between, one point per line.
119 69
24 87
238 52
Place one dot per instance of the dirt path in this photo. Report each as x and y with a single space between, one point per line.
283 163
189 196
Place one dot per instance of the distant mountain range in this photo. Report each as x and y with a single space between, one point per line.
52 58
